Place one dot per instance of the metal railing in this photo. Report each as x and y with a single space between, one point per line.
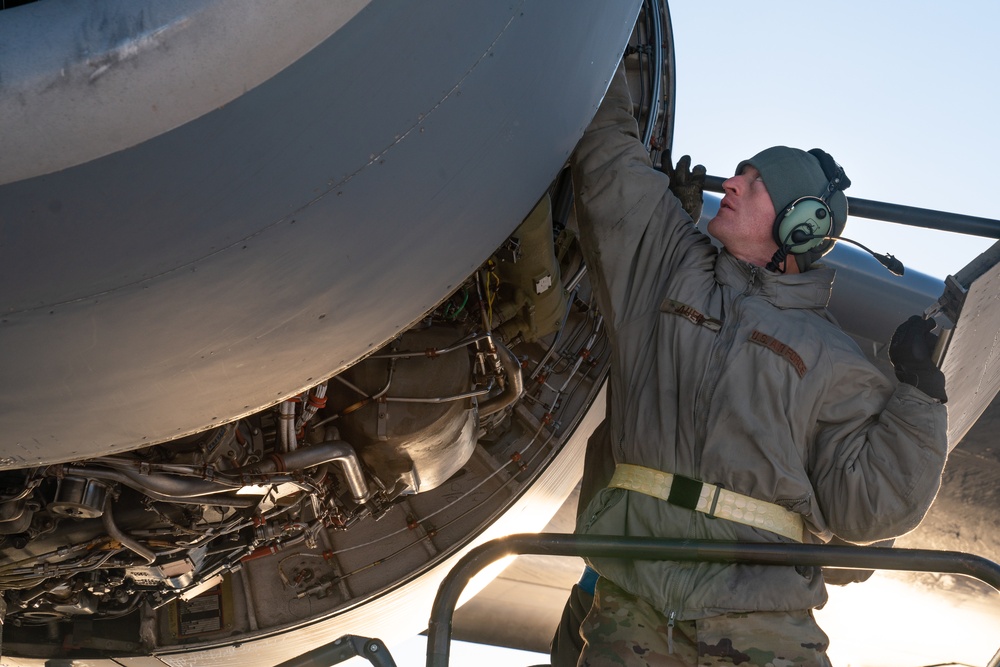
636 548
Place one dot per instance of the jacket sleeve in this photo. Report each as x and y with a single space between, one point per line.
877 463
633 230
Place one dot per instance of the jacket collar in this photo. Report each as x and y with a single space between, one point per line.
811 289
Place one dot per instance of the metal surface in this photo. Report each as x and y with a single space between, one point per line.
394 614
971 363
204 270
400 613
657 60
414 444
913 560
86 79
650 67
345 648
924 217
233 261
868 301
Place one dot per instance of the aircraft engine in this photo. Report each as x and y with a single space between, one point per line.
421 437
287 361
419 442
97 537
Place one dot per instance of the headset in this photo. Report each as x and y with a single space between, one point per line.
808 221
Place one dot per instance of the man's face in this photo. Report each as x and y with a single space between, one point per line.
745 219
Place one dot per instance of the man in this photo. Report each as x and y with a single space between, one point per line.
733 394
598 468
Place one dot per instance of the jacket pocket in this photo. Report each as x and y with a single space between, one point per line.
594 518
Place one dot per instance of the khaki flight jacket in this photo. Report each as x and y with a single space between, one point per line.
736 376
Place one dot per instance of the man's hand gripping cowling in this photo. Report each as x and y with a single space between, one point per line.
687 184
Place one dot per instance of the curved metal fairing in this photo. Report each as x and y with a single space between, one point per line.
214 269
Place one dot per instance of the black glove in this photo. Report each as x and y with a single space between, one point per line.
910 353
686 184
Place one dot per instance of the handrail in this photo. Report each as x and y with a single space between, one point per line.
344 648
638 548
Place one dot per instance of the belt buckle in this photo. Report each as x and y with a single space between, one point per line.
685 492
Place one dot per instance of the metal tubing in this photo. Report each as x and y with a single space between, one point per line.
465 342
165 486
906 215
332 451
513 388
185 489
344 648
286 428
637 548
443 399
116 533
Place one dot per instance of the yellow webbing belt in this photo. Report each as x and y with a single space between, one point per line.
711 500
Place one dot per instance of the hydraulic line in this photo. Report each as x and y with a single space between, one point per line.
443 399
332 451
116 534
463 343
172 488
514 385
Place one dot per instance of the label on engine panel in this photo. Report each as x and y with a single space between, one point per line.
209 612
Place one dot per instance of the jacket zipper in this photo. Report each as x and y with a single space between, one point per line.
723 344
753 279
670 632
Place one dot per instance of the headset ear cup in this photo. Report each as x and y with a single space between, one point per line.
810 216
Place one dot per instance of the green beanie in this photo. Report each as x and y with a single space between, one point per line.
789 174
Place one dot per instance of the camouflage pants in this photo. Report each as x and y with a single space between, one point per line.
624 630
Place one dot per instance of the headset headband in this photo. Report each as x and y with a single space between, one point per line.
834 173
